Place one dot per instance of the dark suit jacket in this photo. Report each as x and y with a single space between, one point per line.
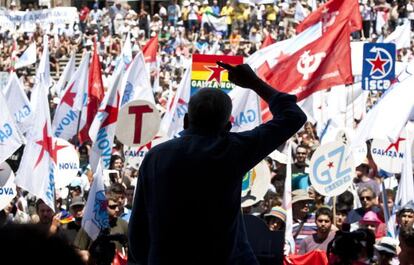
187 203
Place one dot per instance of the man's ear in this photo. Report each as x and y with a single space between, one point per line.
186 122
228 126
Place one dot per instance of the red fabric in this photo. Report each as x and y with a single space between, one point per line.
150 50
267 41
321 64
120 259
84 13
95 95
334 12
315 257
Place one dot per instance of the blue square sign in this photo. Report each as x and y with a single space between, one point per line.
378 66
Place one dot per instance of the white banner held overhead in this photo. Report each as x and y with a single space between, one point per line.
26 20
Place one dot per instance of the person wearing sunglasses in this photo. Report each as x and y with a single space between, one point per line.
368 200
116 225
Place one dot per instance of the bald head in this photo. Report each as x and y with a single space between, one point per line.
209 109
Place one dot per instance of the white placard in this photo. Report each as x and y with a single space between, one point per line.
389 156
138 123
67 163
331 169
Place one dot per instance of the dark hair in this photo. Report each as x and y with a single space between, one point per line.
407 236
347 246
346 198
117 189
34 239
324 211
113 159
209 109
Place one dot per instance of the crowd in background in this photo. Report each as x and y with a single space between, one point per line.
181 34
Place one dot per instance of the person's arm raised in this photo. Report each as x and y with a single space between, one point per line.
243 76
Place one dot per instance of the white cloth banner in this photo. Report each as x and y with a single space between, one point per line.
18 103
95 217
25 21
10 136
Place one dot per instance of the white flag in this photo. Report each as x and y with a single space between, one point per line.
136 83
18 103
245 114
177 106
271 53
389 116
287 203
67 74
10 136
102 130
35 173
401 36
216 23
300 12
405 191
28 57
66 119
96 217
382 18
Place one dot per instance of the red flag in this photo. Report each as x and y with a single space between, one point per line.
315 257
95 95
150 50
321 64
333 12
267 41
119 258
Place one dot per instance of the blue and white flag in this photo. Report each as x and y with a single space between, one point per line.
95 217
18 103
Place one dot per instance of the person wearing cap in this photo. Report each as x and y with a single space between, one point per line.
303 221
76 209
323 235
372 222
405 216
116 225
276 219
386 250
174 176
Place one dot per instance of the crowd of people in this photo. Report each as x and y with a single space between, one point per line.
352 228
